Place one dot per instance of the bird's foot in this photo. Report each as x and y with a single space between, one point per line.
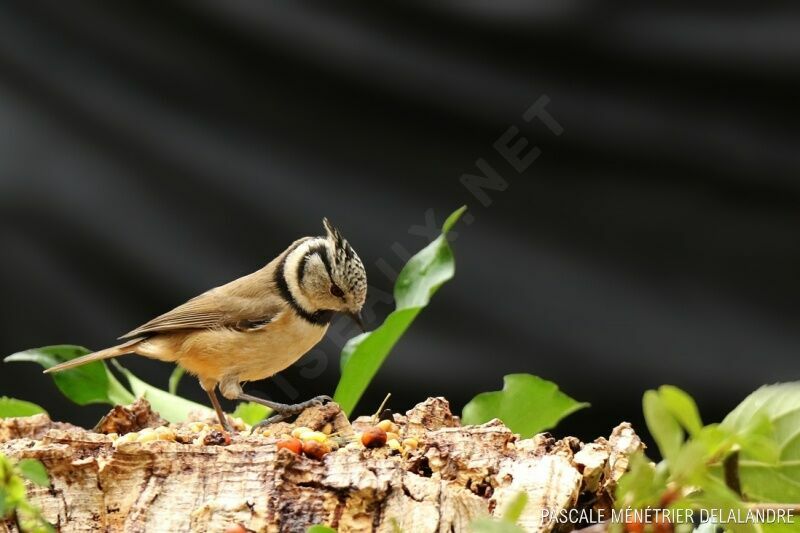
282 410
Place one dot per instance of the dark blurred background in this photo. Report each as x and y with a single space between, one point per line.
150 151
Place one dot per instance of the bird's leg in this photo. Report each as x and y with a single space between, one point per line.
218 408
283 410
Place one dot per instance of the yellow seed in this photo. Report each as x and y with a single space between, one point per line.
296 432
328 428
410 443
165 434
313 435
394 444
148 437
388 426
124 439
392 435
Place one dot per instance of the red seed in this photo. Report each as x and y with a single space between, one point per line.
661 525
315 450
235 528
292 444
373 437
669 496
634 527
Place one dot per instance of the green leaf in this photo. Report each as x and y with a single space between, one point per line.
363 355
175 379
5 506
117 393
515 507
527 405
34 471
682 407
769 416
508 522
83 385
320 529
173 408
642 484
491 525
15 491
662 425
11 407
251 413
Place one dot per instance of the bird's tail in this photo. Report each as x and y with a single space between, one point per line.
108 353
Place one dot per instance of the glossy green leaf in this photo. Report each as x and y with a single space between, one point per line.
769 416
171 407
682 407
363 355
33 471
527 405
11 407
83 385
251 413
664 428
320 529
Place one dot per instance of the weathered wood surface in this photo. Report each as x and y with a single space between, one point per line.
454 475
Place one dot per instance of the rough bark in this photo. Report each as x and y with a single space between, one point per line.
454 475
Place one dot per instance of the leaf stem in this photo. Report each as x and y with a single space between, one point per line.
381 406
117 392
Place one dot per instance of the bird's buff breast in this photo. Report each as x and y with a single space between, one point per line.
248 355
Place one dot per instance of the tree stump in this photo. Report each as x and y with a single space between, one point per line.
184 481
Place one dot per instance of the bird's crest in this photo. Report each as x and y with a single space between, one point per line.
342 248
346 261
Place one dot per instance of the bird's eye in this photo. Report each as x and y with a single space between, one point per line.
336 291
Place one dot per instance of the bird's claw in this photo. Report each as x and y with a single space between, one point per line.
287 411
280 417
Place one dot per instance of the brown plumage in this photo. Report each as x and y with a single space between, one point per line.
254 326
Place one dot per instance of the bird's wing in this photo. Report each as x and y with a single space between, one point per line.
228 306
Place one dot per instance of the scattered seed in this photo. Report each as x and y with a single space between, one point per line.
312 435
410 443
373 437
315 450
292 444
296 432
388 426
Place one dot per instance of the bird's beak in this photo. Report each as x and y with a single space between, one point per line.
356 316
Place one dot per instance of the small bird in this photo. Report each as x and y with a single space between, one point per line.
257 325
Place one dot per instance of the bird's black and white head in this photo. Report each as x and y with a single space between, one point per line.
324 275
